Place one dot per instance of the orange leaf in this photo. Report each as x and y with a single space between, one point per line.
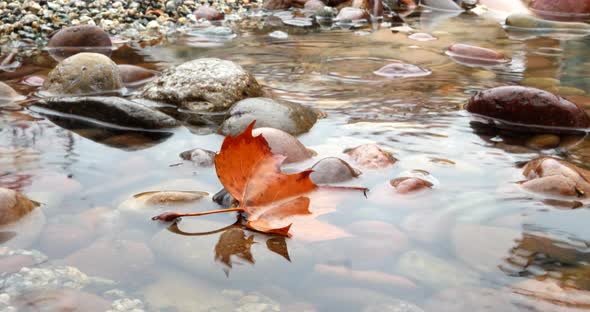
251 173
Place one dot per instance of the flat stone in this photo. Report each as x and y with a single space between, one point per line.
113 110
291 118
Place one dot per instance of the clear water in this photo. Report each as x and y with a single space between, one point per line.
462 246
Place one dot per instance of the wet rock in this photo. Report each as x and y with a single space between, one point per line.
59 239
530 22
347 275
14 263
314 5
282 143
371 156
349 13
473 55
422 37
59 300
448 5
26 230
333 170
13 206
433 271
527 106
543 141
180 293
556 177
199 157
134 76
7 94
292 118
76 39
483 247
565 10
402 70
114 259
208 13
153 201
551 291
277 4
361 299
33 81
112 110
541 82
84 73
407 185
206 84
471 299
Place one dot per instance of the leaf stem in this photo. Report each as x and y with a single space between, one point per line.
171 216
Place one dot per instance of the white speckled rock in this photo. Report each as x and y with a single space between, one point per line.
206 84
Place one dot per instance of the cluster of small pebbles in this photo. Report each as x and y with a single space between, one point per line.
33 21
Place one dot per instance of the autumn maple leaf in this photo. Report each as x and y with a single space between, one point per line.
251 173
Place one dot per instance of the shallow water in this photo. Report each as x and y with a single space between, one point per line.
475 235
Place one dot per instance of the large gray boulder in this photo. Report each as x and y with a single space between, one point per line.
206 84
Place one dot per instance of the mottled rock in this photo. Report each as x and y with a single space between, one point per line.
551 176
84 73
277 4
533 23
112 110
370 156
206 84
527 106
60 300
134 76
473 55
349 13
282 143
13 206
313 5
407 185
289 117
565 10
75 39
333 170
199 157
114 259
208 13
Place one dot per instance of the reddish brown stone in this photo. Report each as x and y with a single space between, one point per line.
208 13
528 106
76 39
408 185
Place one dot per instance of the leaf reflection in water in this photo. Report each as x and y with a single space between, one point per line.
234 241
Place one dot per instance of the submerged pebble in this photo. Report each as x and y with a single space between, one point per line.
282 143
543 141
561 9
277 34
401 70
371 156
533 23
13 206
422 37
352 14
199 157
208 13
551 176
134 76
473 55
407 185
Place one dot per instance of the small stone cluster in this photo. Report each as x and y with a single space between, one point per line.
34 21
